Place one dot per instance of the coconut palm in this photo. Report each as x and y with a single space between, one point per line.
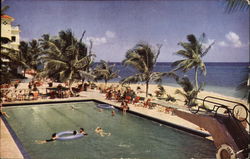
143 59
193 52
105 71
244 86
235 5
67 59
4 8
10 60
189 92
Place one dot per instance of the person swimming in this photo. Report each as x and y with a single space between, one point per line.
101 132
82 131
54 136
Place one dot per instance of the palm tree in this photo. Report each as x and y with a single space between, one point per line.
67 59
142 58
105 71
235 5
29 53
244 86
189 92
193 52
10 60
4 8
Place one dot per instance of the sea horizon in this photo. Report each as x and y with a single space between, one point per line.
222 77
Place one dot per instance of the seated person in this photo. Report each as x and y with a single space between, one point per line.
35 89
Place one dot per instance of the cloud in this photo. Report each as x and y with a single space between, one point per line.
97 40
232 39
223 44
110 34
103 39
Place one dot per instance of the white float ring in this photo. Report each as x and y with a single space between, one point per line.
226 148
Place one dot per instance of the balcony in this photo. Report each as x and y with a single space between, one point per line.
15 29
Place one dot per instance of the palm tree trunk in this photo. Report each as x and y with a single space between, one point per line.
24 72
147 88
196 78
70 87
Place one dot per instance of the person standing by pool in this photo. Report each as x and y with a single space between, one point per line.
1 109
124 106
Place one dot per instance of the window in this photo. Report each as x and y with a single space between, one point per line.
5 23
13 38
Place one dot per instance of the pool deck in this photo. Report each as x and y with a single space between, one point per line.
9 149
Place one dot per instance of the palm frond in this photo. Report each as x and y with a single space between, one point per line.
4 9
237 5
133 79
207 49
87 75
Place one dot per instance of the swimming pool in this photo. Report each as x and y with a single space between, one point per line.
131 136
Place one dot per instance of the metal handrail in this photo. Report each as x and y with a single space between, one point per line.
217 106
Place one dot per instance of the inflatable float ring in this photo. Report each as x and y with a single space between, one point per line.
105 106
68 135
225 151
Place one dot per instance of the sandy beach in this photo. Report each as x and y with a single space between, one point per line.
170 90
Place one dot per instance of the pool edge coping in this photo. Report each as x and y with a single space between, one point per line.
170 124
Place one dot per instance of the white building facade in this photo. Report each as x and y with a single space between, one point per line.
9 33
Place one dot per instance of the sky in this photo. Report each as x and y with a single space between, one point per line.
117 26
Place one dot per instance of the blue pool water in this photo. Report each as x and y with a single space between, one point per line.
131 136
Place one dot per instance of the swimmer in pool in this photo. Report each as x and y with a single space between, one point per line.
101 132
83 132
53 138
113 113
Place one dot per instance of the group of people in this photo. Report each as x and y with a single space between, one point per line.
54 136
125 96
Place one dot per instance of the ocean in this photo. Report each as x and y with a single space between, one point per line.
222 78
